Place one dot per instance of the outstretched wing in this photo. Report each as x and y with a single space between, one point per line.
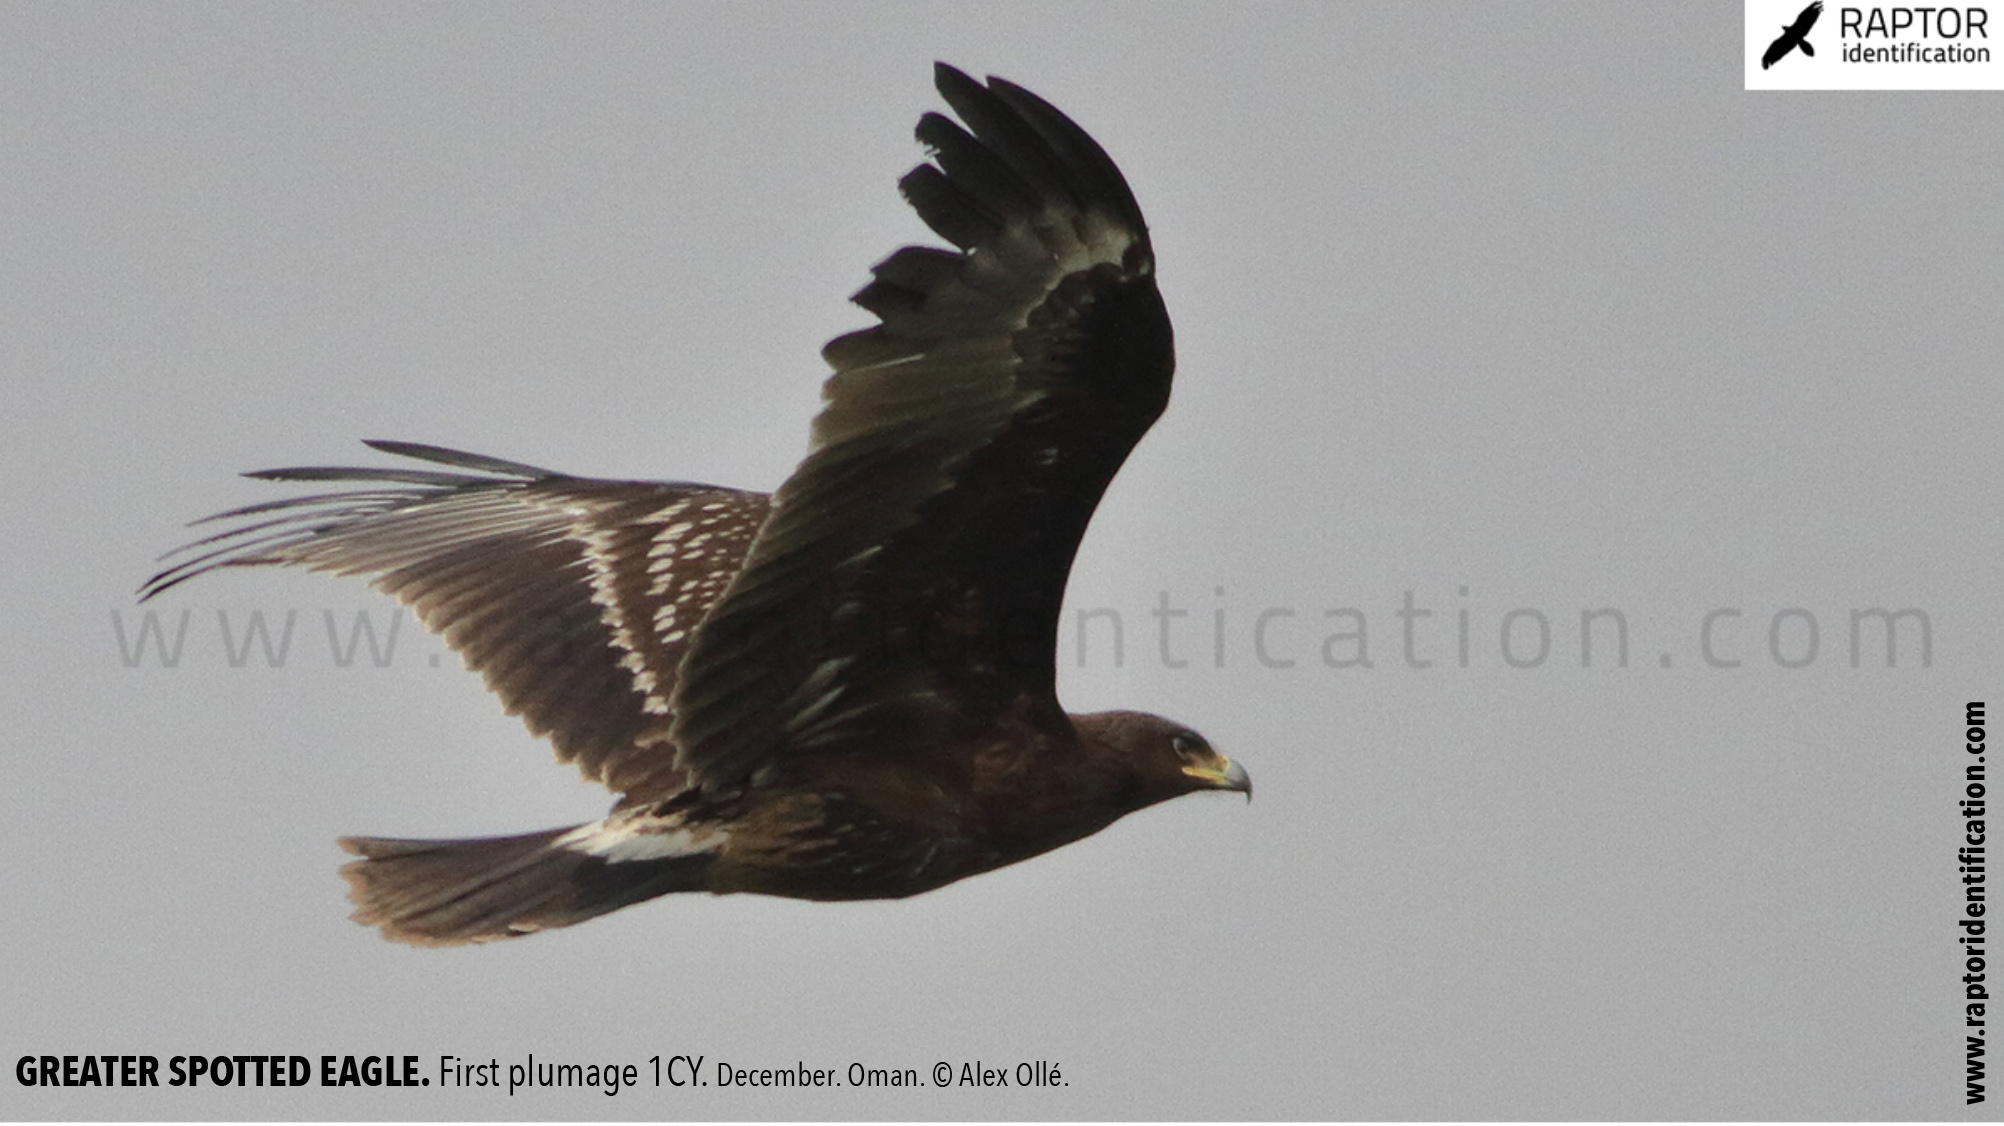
574 598
1807 19
913 567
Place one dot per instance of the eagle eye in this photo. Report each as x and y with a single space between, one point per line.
1186 742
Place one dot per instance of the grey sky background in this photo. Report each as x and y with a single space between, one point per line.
1530 300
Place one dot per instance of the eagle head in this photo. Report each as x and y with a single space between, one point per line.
1158 759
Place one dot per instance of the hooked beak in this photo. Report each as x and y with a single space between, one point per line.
1224 774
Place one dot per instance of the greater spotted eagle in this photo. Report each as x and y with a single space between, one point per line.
843 690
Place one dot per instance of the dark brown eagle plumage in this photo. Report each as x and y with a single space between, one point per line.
846 690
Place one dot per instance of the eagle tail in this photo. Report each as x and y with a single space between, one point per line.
1806 48
446 892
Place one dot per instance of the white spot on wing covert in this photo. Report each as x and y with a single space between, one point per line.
617 841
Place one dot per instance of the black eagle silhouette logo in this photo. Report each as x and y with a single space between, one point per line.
1792 36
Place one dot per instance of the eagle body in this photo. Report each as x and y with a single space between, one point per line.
845 689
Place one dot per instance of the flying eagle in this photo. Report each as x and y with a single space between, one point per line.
1794 35
843 690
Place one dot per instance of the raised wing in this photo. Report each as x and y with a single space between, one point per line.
1807 19
914 565
574 598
